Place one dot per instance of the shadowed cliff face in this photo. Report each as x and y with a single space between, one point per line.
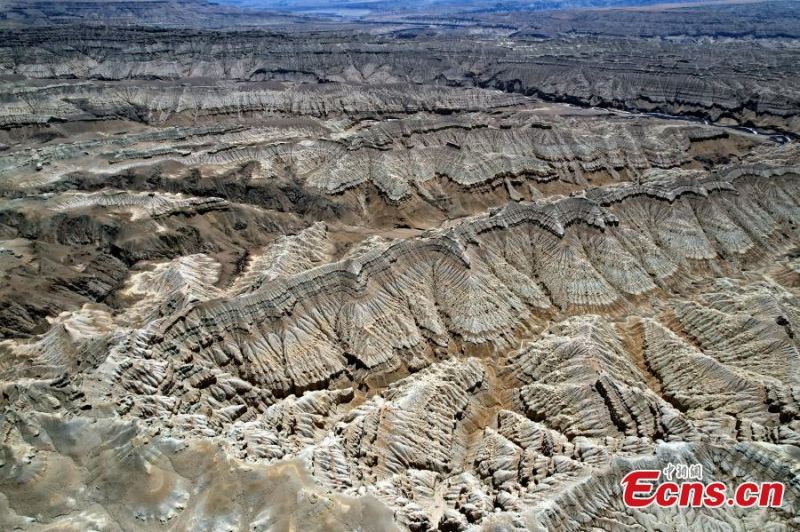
440 269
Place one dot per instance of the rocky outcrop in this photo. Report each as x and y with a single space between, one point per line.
527 424
723 80
333 279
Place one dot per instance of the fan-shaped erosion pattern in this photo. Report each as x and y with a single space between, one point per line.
394 268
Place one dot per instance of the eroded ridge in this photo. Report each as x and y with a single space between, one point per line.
490 372
370 266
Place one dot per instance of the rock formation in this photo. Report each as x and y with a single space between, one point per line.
367 274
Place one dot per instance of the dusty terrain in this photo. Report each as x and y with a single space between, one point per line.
441 268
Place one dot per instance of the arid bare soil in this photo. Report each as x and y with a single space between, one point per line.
346 266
